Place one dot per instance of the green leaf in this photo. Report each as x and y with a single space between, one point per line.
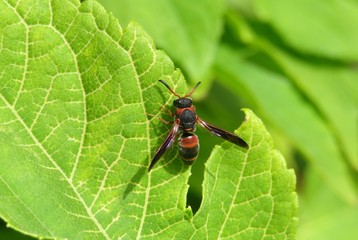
75 140
328 87
326 28
187 30
287 111
329 221
8 233
247 195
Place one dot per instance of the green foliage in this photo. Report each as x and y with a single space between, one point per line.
192 27
331 25
253 190
294 63
76 141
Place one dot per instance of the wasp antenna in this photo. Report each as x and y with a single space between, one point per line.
170 89
196 86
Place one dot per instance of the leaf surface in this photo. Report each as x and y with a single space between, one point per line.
287 111
325 28
247 195
318 223
328 87
75 139
193 27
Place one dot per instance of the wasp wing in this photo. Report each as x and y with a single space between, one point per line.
165 145
223 134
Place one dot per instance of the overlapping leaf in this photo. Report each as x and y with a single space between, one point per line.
287 111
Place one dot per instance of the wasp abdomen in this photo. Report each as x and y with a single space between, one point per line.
188 147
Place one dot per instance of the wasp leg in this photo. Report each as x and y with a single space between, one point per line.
160 119
167 110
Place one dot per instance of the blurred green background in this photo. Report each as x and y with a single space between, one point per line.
295 63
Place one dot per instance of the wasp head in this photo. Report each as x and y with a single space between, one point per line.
182 102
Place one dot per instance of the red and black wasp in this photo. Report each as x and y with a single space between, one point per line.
185 120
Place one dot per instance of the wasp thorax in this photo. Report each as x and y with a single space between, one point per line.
182 102
187 120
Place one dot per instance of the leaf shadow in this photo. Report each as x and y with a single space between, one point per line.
134 181
173 166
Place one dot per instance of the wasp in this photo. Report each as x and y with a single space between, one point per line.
185 120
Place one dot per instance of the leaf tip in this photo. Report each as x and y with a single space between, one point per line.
248 112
